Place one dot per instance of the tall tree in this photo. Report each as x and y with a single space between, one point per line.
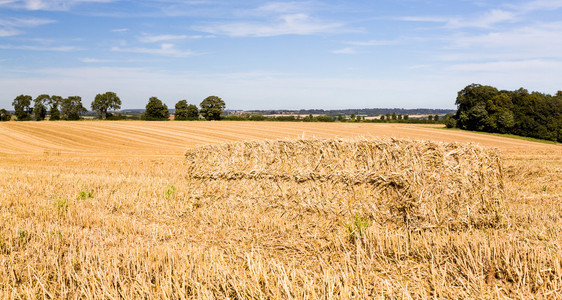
72 109
5 115
156 110
181 111
54 112
105 102
192 112
471 103
22 107
212 108
484 108
40 108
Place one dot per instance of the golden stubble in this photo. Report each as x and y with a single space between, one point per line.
106 209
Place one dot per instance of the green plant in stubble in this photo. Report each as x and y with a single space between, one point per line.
61 205
170 191
83 195
356 228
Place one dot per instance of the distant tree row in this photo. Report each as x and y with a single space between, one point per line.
212 108
57 108
484 108
388 118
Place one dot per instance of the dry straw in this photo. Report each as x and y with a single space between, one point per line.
418 184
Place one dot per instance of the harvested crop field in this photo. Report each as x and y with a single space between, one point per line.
117 210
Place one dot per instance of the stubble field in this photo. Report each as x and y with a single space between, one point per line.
106 209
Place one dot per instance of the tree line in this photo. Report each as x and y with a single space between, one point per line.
485 108
58 108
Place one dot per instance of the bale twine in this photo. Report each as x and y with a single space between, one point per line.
419 184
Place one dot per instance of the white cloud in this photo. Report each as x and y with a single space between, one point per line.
372 43
487 20
40 48
51 5
10 26
347 50
165 49
522 43
94 60
120 30
509 66
161 38
296 24
4 32
537 5
424 19
283 7
30 22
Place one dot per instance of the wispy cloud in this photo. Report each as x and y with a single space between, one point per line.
95 60
521 43
51 5
371 43
508 66
347 50
292 24
40 48
536 5
171 37
283 7
11 26
510 13
165 49
120 30
161 38
486 20
4 32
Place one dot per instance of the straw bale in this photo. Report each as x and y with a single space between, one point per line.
419 184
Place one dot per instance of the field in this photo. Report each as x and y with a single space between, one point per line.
107 210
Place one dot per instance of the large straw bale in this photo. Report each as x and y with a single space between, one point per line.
419 184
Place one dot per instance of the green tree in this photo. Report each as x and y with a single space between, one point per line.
40 107
471 106
181 111
5 115
22 107
54 113
72 109
393 115
192 112
212 107
325 118
155 110
104 102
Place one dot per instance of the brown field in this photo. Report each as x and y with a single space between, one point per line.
106 210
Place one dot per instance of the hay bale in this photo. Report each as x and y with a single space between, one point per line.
420 184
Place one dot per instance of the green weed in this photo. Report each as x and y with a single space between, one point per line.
61 205
170 191
83 195
356 228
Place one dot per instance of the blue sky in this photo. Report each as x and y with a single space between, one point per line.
326 54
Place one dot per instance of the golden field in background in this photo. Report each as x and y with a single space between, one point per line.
96 209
